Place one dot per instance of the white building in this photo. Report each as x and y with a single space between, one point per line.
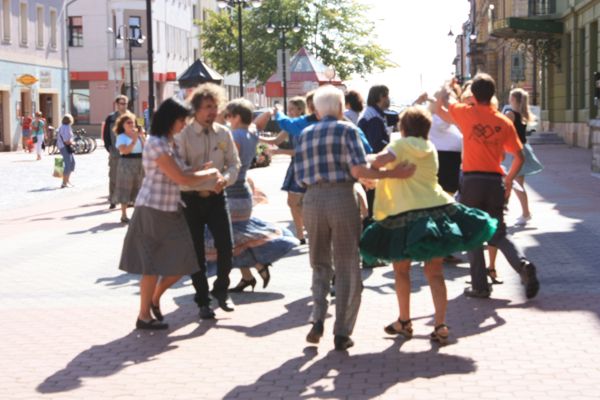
33 75
99 49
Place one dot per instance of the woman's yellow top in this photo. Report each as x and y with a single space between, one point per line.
394 196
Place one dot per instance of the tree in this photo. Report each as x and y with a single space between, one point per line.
336 31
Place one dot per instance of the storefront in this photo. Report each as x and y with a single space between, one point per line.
25 89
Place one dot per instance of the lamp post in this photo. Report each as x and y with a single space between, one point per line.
283 28
240 5
133 35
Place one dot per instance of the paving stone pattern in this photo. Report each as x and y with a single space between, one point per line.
68 313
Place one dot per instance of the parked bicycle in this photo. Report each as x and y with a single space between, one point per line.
82 144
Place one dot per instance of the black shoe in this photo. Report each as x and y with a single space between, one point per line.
529 279
156 312
222 300
332 287
478 294
316 332
302 241
150 325
206 313
112 206
243 284
265 275
342 343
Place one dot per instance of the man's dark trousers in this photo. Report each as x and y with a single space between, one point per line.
213 212
485 191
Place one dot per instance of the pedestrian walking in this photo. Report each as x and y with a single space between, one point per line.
38 132
26 121
130 171
329 159
205 142
158 244
415 219
256 243
487 134
109 138
64 143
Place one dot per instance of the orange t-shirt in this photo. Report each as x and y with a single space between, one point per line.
487 134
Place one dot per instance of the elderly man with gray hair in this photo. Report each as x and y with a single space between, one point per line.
329 159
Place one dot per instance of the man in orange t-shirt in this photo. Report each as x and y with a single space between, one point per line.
487 134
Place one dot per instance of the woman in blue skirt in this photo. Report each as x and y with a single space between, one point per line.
416 220
256 243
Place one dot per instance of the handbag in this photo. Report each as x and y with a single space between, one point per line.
34 139
70 148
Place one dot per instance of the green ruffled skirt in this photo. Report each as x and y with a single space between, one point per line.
427 233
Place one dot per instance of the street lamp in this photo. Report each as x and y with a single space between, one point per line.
283 28
133 35
240 4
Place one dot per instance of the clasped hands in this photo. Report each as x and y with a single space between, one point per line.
207 169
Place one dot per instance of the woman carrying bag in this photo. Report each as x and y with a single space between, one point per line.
64 144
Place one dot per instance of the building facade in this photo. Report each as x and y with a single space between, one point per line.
108 52
547 47
33 73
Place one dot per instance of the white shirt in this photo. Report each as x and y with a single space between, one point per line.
445 136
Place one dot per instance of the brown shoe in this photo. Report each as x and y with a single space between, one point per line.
316 332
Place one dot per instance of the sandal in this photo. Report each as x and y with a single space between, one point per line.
405 329
265 275
437 337
491 272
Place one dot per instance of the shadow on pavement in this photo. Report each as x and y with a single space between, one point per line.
339 375
137 347
103 227
87 214
296 315
45 189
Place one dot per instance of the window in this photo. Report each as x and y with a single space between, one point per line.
517 71
76 31
135 31
53 23
6 20
23 23
39 26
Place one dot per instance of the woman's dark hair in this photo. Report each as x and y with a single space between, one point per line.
168 112
355 100
376 93
120 124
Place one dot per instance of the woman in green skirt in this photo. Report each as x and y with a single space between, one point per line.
416 220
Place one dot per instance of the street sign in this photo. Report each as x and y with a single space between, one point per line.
288 74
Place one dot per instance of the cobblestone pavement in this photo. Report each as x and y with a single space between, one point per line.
68 312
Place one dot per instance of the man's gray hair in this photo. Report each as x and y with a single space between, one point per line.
329 101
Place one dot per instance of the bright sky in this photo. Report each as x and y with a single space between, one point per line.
416 33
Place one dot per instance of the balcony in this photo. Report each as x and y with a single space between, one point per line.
524 28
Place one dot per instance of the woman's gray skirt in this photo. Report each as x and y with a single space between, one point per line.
158 243
130 174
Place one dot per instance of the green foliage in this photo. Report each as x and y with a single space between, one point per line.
336 31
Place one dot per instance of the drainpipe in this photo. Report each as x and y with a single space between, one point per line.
66 61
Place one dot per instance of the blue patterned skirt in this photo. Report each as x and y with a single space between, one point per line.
254 241
289 183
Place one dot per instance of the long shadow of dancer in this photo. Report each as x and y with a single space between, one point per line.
297 315
373 372
134 348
